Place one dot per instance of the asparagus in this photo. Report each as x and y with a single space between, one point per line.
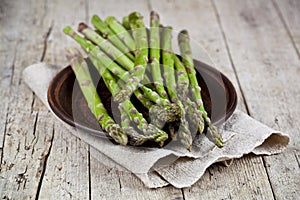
104 44
164 111
141 56
194 114
164 115
125 22
149 130
94 50
168 63
80 69
110 35
135 138
121 32
185 50
155 54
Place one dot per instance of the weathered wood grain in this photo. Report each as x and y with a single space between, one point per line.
8 51
58 15
67 171
218 182
268 67
28 132
289 13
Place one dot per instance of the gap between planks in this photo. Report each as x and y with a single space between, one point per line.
230 56
286 27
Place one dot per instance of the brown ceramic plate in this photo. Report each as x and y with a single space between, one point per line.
68 103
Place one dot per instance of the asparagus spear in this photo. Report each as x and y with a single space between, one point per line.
194 114
168 63
104 44
121 32
186 52
141 56
110 35
80 69
149 130
155 54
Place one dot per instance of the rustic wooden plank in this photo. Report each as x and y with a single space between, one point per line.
104 177
268 67
60 14
67 169
289 13
7 59
8 51
246 177
27 136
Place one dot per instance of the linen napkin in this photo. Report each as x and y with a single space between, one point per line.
158 167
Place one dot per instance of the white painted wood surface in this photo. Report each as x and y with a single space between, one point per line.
255 43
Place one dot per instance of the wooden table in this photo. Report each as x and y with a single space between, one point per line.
255 43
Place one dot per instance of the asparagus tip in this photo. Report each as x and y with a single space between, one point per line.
119 136
184 32
214 136
82 26
183 36
110 19
67 30
154 15
95 19
135 16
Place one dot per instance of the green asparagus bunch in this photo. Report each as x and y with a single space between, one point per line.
122 52
81 71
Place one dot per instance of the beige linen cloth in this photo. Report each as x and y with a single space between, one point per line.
172 165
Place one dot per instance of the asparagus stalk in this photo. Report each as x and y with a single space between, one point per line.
141 56
168 63
80 69
186 52
149 130
121 32
104 44
110 35
194 114
155 54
